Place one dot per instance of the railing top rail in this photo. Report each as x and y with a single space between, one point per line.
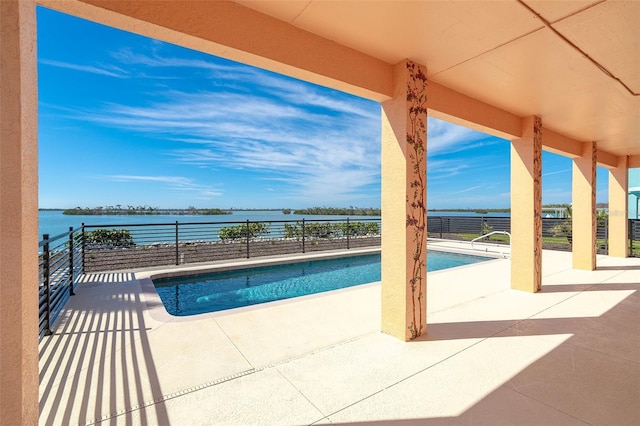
59 236
113 225
240 222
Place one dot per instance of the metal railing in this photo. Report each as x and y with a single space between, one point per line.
482 237
65 257
60 266
143 245
634 237
470 227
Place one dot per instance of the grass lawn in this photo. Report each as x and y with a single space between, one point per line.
499 238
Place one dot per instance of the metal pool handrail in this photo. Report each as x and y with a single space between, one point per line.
488 235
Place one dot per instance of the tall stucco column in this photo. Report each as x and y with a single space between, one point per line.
18 214
584 224
404 205
526 207
619 208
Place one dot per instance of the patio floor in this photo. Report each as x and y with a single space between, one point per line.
568 355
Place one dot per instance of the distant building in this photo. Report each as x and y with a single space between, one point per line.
634 193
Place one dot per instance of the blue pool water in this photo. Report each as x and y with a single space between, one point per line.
197 294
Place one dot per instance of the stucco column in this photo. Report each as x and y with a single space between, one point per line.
526 207
584 208
404 206
619 209
18 214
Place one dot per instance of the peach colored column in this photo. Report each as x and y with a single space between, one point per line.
584 208
18 214
619 209
526 207
404 209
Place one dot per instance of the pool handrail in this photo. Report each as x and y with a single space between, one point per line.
488 235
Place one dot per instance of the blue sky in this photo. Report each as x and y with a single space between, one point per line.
128 120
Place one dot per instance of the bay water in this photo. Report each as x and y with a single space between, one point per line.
53 222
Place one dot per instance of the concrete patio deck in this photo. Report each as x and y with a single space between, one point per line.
568 355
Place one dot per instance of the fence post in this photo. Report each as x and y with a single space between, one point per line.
606 237
348 233
47 282
630 235
71 293
83 243
303 235
441 226
248 237
177 242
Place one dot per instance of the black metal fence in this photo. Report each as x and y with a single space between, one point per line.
556 233
60 266
98 248
109 247
634 237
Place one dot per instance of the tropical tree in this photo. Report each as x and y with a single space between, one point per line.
564 228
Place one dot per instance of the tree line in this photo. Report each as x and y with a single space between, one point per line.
141 210
349 211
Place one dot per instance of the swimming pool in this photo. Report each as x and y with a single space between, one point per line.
197 294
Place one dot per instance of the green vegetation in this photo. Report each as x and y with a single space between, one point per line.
140 210
331 230
351 211
110 237
311 230
286 211
564 228
486 228
255 230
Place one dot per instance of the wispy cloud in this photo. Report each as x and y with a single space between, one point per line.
449 138
322 146
473 188
128 56
557 172
175 183
107 70
311 142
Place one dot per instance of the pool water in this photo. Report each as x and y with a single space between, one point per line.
197 294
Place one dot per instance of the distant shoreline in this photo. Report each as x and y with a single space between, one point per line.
309 211
143 211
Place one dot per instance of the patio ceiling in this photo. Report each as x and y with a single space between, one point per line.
576 64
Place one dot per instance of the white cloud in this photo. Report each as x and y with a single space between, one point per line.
107 70
315 142
449 138
317 145
556 172
473 188
175 183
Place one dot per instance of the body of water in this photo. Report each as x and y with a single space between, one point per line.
55 223
197 294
